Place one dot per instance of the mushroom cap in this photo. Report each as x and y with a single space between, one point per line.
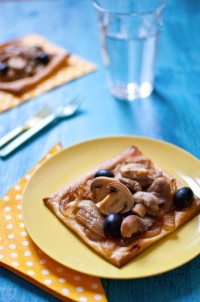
17 63
118 199
133 224
98 187
134 171
149 199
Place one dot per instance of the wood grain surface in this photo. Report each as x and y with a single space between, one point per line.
170 114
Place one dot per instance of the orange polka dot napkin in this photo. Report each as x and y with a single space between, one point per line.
19 254
74 68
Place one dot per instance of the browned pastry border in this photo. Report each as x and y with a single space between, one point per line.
120 255
58 60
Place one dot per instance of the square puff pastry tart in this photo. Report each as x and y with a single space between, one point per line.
26 62
123 206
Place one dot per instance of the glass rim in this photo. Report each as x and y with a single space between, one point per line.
130 13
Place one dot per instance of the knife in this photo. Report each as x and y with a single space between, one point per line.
62 112
9 148
31 122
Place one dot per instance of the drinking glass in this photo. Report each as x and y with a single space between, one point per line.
129 35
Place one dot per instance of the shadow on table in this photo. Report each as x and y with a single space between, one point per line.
178 285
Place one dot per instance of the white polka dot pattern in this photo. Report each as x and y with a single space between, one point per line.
62 280
24 257
9 226
65 291
94 285
18 197
29 263
83 299
17 187
25 243
45 272
7 209
98 297
6 198
27 253
13 255
24 233
43 261
31 273
14 263
48 281
12 246
60 269
8 217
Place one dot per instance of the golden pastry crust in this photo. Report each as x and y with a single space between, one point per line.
58 58
71 203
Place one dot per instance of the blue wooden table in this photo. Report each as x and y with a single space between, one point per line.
170 114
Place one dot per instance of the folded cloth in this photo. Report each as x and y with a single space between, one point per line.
74 68
19 254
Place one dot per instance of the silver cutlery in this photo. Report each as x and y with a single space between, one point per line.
30 123
68 109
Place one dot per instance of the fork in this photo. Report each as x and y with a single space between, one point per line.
68 109
31 122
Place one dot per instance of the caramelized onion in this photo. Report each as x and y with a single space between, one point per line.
89 215
168 205
152 232
67 208
169 222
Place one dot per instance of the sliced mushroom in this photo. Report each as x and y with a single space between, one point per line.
131 184
139 173
140 209
164 189
145 162
153 210
17 63
133 224
134 171
98 187
161 186
147 198
118 199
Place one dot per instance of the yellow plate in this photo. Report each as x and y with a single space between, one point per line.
63 246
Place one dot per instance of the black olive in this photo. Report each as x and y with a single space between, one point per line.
104 172
3 67
43 57
112 224
183 197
